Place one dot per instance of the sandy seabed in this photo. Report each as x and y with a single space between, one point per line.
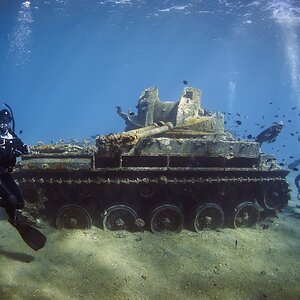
97 264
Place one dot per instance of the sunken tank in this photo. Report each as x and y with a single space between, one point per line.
175 166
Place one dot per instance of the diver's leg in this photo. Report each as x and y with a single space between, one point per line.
12 195
11 209
13 189
4 192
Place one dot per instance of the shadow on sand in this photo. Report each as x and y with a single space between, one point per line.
22 257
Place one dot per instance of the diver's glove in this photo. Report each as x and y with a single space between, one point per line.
25 149
21 147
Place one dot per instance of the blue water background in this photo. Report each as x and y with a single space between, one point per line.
66 64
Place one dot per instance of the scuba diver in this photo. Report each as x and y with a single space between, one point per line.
297 183
11 147
293 166
270 134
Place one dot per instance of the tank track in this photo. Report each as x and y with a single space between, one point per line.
265 186
161 179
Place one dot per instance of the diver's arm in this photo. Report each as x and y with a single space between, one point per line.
297 179
23 148
20 147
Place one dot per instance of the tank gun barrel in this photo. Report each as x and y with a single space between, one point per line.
115 142
159 128
142 129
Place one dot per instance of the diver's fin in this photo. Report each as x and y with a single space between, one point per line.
31 236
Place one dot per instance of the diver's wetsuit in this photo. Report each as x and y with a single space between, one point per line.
10 148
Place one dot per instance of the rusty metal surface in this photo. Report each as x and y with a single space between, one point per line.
200 147
49 163
62 148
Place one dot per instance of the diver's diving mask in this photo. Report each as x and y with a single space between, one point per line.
4 125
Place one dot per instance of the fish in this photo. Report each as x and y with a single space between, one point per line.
261 127
281 164
276 116
20 131
238 114
185 82
295 169
238 122
270 103
291 156
289 121
293 108
291 134
249 136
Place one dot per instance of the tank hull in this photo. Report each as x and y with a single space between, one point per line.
143 183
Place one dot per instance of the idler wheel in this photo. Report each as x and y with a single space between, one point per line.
120 217
275 196
73 216
209 216
166 218
246 215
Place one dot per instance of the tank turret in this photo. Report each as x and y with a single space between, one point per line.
186 114
197 132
